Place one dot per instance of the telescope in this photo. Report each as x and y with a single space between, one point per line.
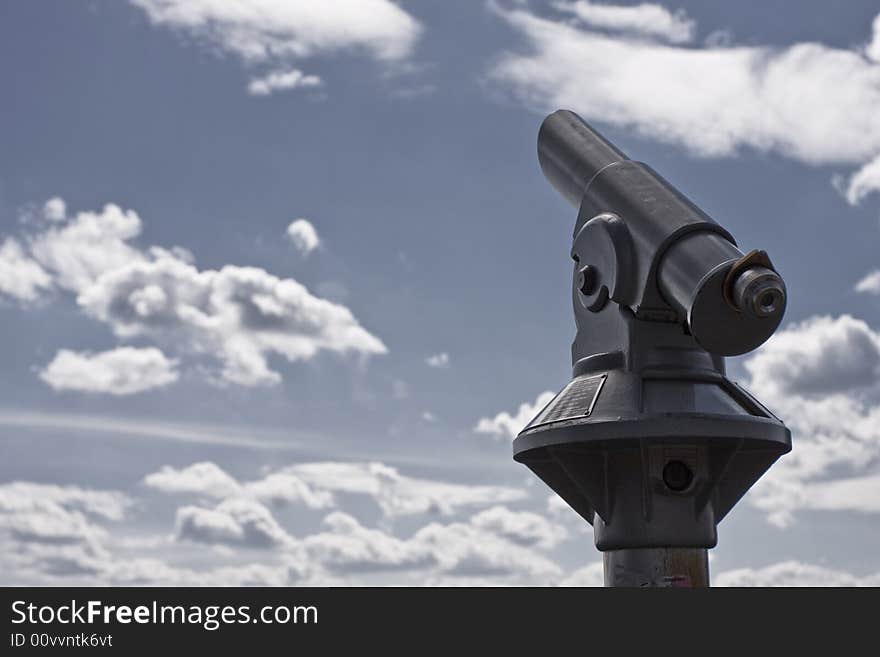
650 442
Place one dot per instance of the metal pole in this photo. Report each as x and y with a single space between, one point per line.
660 567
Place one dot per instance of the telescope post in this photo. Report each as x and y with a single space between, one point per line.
650 442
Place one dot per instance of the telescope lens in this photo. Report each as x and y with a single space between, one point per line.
759 292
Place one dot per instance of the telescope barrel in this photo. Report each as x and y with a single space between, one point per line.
674 247
571 153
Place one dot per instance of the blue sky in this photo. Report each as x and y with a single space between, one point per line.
432 298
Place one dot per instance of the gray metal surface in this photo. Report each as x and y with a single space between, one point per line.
657 567
649 441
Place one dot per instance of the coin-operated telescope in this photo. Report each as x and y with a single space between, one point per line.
650 442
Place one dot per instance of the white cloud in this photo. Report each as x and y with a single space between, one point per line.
398 495
872 51
647 18
22 496
438 360
303 235
236 521
281 488
156 572
855 493
820 376
49 535
456 551
348 547
738 96
522 527
278 33
793 573
236 315
55 527
313 485
818 355
870 283
281 81
20 276
863 182
79 251
505 425
121 371
495 543
203 478
787 574
463 549
55 209
207 479
591 575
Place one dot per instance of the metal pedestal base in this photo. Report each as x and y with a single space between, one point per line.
681 567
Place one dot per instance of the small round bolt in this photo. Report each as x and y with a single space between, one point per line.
587 279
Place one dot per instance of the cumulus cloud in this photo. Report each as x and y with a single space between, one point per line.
80 250
591 575
818 355
442 553
57 535
870 284
496 542
440 360
348 547
236 521
647 18
787 574
207 479
121 371
737 96
236 315
55 528
313 485
865 181
505 425
276 34
55 209
303 236
463 549
397 494
21 277
522 527
146 571
21 496
282 488
204 478
793 573
281 81
872 51
820 376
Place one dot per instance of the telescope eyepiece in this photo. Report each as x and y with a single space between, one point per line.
759 292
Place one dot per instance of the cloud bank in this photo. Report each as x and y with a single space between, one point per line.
711 100
237 316
273 35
